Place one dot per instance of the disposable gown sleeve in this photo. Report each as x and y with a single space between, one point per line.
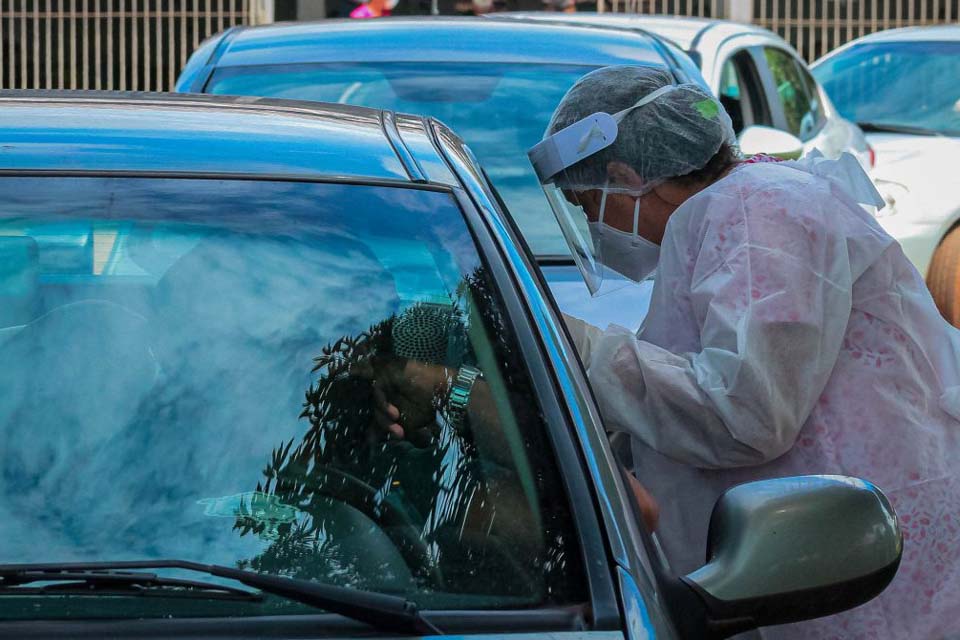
583 334
771 297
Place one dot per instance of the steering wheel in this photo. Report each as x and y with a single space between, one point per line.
398 526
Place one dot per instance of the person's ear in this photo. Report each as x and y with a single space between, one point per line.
590 202
623 175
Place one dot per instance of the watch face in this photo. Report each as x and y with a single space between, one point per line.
459 396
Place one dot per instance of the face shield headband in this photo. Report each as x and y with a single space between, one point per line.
582 139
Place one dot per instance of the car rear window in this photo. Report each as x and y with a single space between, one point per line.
189 371
500 110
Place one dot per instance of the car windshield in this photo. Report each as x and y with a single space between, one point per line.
897 84
500 110
194 368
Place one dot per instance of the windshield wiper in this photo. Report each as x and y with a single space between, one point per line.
116 583
381 611
880 127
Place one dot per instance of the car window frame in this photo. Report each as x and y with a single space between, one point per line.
777 115
816 90
601 606
773 96
644 562
756 87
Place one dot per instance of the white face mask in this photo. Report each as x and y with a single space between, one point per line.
629 254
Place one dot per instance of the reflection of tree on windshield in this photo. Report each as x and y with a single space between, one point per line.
457 512
340 458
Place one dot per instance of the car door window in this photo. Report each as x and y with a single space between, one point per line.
740 92
797 93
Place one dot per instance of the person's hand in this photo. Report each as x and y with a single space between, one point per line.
649 508
404 392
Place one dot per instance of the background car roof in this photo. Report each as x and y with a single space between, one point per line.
432 40
685 32
940 33
106 131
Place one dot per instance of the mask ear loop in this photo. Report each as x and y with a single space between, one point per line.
636 222
603 205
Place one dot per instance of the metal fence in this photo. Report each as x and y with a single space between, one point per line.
814 27
135 45
141 45
700 8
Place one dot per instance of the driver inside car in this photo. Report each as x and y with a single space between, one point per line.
407 392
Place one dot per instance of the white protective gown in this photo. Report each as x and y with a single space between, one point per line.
788 334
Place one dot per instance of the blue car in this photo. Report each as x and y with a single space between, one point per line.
204 303
494 82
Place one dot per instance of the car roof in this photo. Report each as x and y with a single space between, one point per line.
683 31
939 33
108 131
433 39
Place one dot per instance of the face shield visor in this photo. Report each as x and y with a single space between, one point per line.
599 217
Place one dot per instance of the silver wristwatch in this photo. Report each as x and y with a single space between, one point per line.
460 390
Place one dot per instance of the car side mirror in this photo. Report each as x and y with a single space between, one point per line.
774 142
793 549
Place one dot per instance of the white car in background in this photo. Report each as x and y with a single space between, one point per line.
776 105
903 87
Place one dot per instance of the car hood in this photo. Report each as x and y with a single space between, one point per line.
923 165
903 152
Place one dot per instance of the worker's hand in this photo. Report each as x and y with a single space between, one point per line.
649 508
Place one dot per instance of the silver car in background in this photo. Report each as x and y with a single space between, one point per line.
776 105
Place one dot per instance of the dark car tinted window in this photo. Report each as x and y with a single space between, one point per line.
500 110
189 371
910 84
797 93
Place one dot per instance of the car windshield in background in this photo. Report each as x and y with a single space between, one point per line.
500 110
188 372
910 85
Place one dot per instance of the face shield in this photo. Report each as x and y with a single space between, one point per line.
599 219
